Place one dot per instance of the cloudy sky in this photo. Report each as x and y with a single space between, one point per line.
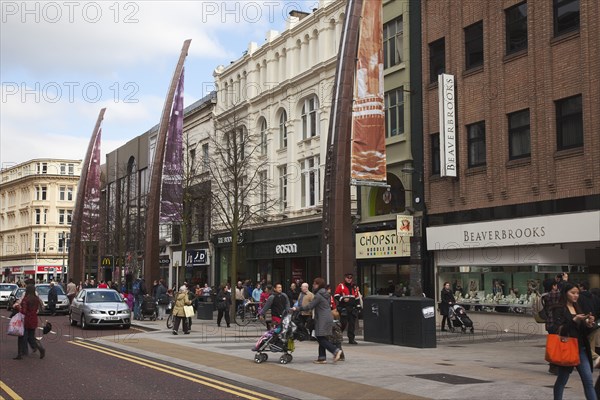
61 62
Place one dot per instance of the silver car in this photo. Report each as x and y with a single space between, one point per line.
62 306
5 291
99 307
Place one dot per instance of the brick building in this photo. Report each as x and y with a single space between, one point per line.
520 133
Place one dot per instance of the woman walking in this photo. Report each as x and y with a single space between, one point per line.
29 307
323 321
181 300
223 305
569 321
447 300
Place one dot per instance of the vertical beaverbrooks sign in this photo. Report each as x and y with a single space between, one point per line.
447 105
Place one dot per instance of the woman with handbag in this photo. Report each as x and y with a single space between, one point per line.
30 304
448 300
572 325
223 305
181 301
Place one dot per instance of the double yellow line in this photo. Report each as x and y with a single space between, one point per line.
203 380
9 391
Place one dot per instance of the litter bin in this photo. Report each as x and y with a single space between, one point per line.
205 310
413 322
377 319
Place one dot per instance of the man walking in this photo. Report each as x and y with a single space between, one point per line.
347 299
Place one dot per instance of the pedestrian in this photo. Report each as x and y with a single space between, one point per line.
223 305
256 293
240 295
570 321
278 303
103 285
304 299
264 296
323 321
551 298
182 299
128 297
52 298
347 299
590 304
337 336
30 304
206 291
138 291
161 298
447 300
293 293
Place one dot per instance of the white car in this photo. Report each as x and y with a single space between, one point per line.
99 307
5 291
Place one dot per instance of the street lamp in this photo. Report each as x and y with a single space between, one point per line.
64 245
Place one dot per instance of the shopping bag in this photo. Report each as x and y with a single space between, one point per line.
189 311
16 326
561 350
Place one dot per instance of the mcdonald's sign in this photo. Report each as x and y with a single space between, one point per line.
107 261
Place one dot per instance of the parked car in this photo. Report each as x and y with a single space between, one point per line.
5 291
99 307
62 306
15 295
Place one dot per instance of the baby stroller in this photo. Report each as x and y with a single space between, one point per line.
149 308
280 339
458 318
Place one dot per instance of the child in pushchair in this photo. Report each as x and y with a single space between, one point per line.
149 308
458 318
280 339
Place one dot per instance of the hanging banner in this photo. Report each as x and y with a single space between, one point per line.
368 115
447 107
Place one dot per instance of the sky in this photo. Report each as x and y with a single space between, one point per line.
61 62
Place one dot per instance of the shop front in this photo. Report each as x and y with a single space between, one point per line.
497 268
384 263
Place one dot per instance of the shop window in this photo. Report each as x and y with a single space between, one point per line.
516 28
383 201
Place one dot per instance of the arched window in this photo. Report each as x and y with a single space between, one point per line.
263 136
309 117
283 130
383 201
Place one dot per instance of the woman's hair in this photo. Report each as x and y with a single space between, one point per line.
445 283
30 297
320 282
567 286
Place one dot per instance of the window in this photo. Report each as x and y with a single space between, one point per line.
42 168
205 160
516 28
283 130
65 193
65 217
283 187
263 137
566 16
263 186
569 123
38 216
36 242
474 45
437 59
192 161
435 154
309 118
394 112
40 192
310 181
476 144
392 43
63 169
519 140
63 242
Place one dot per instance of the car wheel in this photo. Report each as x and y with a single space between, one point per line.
126 326
71 320
84 324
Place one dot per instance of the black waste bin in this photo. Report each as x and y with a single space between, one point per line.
205 310
413 322
377 319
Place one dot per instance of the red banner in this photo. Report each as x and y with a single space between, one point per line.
368 111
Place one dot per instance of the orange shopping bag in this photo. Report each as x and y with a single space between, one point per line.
561 350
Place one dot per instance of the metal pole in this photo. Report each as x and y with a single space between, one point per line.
64 245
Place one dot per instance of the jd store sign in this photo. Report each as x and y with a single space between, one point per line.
196 258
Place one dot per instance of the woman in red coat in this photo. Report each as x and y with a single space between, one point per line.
29 307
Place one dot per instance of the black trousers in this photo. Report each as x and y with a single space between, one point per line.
186 327
220 314
348 321
444 319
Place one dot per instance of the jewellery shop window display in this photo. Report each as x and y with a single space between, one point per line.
508 289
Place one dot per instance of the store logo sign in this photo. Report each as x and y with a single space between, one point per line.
290 248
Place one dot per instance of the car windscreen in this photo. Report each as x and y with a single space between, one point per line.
103 297
43 290
6 288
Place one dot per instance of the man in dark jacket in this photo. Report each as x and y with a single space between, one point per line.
52 298
590 304
278 303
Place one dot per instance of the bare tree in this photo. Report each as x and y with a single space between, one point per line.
238 169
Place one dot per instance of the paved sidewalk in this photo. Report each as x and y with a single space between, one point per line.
463 366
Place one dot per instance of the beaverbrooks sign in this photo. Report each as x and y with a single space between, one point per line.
502 234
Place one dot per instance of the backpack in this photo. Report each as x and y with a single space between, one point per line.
538 308
136 288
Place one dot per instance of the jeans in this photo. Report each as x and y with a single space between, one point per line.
137 305
27 338
325 344
585 372
162 311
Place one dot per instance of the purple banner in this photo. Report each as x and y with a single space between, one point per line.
90 221
172 187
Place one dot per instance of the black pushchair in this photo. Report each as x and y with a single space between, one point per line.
458 318
280 339
149 308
